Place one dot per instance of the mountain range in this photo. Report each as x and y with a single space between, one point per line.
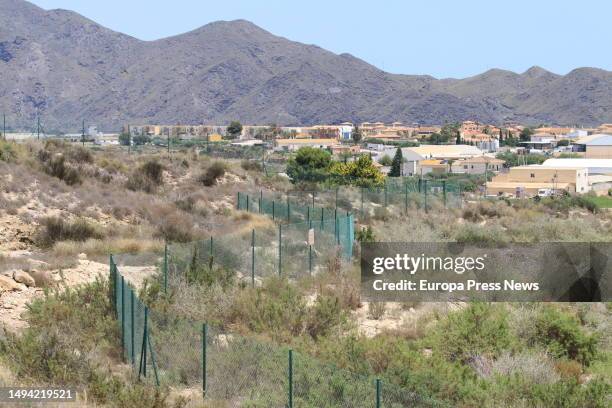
67 68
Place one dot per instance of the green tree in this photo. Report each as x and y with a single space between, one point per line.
234 129
360 172
357 136
309 164
124 139
526 134
396 165
385 160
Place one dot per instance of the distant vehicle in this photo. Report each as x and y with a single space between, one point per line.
546 192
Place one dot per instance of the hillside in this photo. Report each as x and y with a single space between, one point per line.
69 68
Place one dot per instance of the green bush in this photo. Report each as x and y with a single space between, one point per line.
56 166
147 177
563 336
212 174
479 329
54 229
71 336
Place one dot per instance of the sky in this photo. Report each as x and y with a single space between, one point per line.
445 39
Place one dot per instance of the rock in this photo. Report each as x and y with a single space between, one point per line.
82 256
24 277
8 284
43 279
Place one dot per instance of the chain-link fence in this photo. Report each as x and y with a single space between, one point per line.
230 370
398 195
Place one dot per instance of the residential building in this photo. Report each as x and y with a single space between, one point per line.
410 162
294 144
597 146
525 181
594 166
477 165
447 152
433 166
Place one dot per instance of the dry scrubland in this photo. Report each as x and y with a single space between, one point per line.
64 208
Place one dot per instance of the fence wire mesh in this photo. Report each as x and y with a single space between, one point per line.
231 370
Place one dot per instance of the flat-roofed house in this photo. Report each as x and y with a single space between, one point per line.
447 152
477 165
527 180
597 146
294 144
410 162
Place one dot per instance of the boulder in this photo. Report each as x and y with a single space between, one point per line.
24 277
82 256
8 284
43 279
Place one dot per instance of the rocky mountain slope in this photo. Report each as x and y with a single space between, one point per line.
69 69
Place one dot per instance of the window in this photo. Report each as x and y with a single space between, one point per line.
532 175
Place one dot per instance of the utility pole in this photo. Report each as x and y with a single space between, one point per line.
4 126
38 127
129 139
83 134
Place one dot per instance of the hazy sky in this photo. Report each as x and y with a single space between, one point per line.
442 38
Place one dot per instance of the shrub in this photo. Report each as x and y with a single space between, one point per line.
56 166
324 315
147 177
212 174
175 228
479 329
56 229
251 165
365 234
376 310
7 152
79 154
563 337
69 338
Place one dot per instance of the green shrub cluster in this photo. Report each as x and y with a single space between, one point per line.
69 339
55 229
147 177
214 172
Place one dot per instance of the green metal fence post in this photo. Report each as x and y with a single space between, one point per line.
308 214
253 257
165 267
310 259
143 351
133 352
260 200
273 212
406 196
153 362
212 259
247 203
238 201
425 187
113 283
444 191
122 318
322 211
386 196
361 188
314 193
290 378
280 248
204 357
336 198
378 392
